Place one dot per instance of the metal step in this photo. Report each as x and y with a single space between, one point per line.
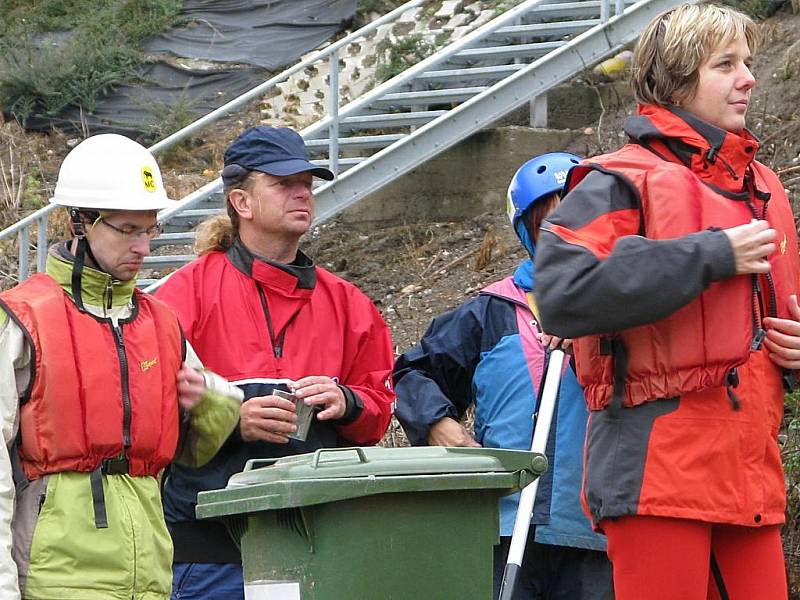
356 142
344 163
560 10
189 219
173 238
471 73
167 260
534 50
538 30
430 96
387 120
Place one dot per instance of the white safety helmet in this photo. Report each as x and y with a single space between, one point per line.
110 172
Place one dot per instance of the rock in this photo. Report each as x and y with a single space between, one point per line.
448 9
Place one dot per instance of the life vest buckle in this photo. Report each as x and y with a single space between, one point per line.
114 466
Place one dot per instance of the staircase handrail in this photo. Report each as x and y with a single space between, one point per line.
440 56
41 215
468 110
205 192
262 88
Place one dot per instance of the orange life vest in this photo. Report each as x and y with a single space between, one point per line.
698 346
96 393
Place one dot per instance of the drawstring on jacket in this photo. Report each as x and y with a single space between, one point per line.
711 156
732 381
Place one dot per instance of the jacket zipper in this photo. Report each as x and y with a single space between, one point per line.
759 333
126 397
758 329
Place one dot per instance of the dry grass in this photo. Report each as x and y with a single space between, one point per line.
28 168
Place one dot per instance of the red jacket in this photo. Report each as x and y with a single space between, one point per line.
92 398
261 325
633 254
325 326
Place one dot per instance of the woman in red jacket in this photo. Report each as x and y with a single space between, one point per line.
674 262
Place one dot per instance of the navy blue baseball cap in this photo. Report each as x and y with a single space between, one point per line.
278 151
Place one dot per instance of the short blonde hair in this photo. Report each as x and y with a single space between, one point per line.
676 43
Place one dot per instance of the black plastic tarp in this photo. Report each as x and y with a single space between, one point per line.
265 33
258 37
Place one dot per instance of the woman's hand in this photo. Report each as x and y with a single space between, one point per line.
783 337
752 243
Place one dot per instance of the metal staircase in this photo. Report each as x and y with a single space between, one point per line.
465 86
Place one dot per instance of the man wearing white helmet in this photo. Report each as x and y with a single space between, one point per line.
98 393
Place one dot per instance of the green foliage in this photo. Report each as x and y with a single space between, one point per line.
32 196
394 58
364 7
167 118
40 76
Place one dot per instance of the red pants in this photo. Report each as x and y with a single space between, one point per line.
657 558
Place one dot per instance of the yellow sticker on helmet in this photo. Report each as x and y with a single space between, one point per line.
510 208
149 179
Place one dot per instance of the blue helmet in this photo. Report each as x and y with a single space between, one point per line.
540 177
537 179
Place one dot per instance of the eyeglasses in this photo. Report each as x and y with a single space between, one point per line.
151 232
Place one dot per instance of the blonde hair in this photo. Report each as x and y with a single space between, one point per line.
676 43
218 233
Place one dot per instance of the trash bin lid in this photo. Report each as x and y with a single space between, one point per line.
332 474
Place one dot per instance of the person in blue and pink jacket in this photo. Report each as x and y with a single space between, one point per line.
491 352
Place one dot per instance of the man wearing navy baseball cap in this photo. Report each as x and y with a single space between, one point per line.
260 313
273 150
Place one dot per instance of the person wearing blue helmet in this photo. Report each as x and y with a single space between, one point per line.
490 352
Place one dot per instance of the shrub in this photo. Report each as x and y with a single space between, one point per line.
40 76
396 57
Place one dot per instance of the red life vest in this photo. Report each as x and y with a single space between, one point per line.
697 346
88 393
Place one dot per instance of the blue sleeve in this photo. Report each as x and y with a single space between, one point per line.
433 380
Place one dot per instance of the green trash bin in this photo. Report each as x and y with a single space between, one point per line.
371 523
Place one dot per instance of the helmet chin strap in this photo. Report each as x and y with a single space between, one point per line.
83 249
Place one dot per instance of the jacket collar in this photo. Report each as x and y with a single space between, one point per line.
719 158
97 288
300 273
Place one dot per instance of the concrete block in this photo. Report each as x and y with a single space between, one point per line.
574 105
462 182
484 17
403 29
410 16
459 32
475 8
457 21
448 9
